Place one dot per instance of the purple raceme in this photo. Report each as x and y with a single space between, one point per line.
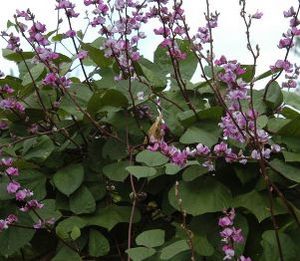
230 235
23 195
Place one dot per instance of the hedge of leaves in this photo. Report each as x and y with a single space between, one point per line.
143 164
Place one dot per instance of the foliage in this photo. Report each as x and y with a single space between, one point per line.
144 163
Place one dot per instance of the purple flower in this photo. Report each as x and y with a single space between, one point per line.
289 13
50 79
225 221
275 148
23 14
11 219
70 33
284 43
285 65
229 252
3 224
257 15
11 171
202 150
13 187
242 258
7 89
22 194
7 162
289 84
3 125
32 204
82 55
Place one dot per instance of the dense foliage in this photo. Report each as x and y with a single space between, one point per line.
134 161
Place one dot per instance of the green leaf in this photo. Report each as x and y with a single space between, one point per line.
65 227
82 201
141 171
208 135
40 150
103 100
16 57
82 94
113 150
187 118
151 238
153 74
292 99
68 179
151 159
116 171
258 204
3 192
172 169
274 96
49 211
187 66
110 216
203 195
291 156
288 171
202 246
98 244
65 253
35 181
249 74
14 238
263 75
269 244
36 73
96 55
173 249
193 172
75 233
140 253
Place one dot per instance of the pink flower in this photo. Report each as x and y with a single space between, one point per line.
225 221
289 13
22 194
242 258
11 171
3 225
7 162
11 219
50 79
257 15
13 187
70 33
229 252
82 55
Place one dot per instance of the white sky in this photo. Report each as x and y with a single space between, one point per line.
229 36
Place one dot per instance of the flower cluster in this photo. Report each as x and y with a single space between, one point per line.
291 72
5 223
68 7
230 235
123 33
22 195
37 36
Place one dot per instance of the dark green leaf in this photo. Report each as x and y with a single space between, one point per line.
151 159
141 171
68 179
98 244
203 195
82 201
140 253
151 238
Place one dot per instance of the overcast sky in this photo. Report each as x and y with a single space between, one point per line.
229 36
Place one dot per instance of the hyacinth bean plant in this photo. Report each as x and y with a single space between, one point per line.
132 160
